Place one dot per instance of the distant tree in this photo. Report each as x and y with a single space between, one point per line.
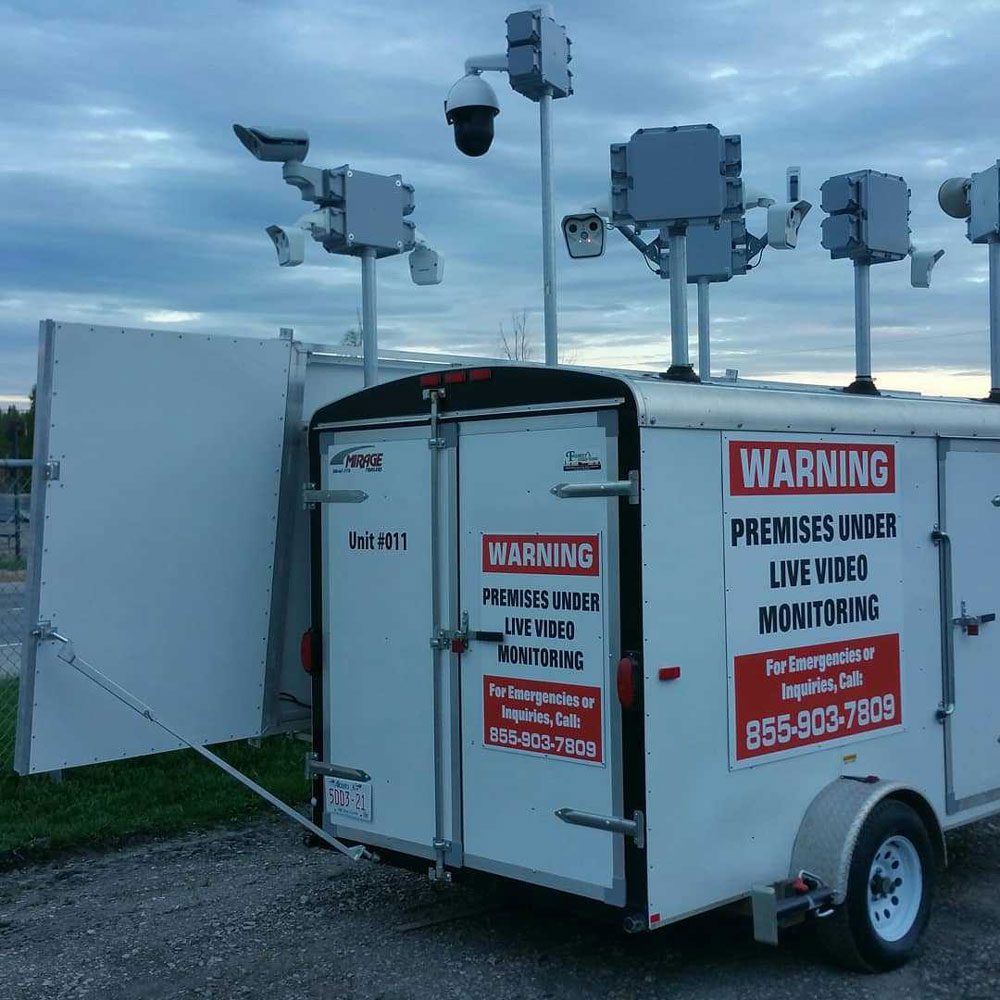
25 421
353 336
514 343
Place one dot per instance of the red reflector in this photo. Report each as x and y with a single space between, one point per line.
627 682
480 374
307 650
434 379
452 377
669 673
654 918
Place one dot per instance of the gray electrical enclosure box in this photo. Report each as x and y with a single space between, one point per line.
370 212
868 218
714 253
667 176
984 201
538 55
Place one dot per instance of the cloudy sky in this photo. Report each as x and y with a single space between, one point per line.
126 199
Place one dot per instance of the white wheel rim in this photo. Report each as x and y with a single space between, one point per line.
895 888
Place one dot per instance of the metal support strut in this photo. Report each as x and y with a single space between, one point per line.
45 633
862 383
704 332
369 316
548 233
994 256
680 365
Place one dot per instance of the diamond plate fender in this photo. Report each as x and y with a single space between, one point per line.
833 821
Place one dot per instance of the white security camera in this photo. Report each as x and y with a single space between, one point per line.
471 106
783 223
921 264
953 197
290 244
426 266
274 144
584 235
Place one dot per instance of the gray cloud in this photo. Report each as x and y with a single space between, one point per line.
126 199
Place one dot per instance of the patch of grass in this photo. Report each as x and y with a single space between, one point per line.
12 563
107 804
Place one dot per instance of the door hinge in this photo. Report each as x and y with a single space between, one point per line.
628 488
52 470
312 496
944 711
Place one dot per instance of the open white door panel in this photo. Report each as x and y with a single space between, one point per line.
155 538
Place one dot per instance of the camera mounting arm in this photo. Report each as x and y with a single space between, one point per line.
496 63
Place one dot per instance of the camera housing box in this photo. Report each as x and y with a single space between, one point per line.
984 202
683 174
369 211
868 217
714 253
538 55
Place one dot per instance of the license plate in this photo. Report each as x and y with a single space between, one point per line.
349 798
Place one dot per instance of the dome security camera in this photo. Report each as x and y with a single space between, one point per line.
272 143
470 107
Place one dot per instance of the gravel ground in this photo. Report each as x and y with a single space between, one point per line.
254 913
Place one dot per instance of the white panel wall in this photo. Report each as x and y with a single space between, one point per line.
712 831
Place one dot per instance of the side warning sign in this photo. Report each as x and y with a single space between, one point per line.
543 717
813 569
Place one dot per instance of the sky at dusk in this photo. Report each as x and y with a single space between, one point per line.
126 199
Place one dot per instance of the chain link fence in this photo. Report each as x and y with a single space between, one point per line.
15 547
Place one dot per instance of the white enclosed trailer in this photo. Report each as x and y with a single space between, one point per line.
659 645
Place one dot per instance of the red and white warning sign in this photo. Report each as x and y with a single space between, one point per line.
813 571
543 691
561 720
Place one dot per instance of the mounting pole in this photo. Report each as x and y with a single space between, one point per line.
548 233
704 344
680 364
994 251
369 316
862 384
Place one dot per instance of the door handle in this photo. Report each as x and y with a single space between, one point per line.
970 623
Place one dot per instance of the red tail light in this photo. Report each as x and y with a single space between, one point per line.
451 378
430 380
480 374
629 682
309 650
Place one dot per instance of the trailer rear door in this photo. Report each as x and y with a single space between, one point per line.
970 508
540 721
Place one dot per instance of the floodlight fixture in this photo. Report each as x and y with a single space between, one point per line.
977 199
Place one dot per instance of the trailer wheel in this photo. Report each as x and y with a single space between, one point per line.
890 888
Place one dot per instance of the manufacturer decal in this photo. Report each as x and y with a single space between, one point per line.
557 555
579 461
364 458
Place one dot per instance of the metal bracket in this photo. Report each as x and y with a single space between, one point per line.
435 396
315 766
634 828
776 904
312 496
457 640
944 710
52 470
619 488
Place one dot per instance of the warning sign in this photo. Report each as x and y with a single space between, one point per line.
813 582
562 720
543 691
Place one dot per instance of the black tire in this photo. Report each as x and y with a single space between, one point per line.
848 935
